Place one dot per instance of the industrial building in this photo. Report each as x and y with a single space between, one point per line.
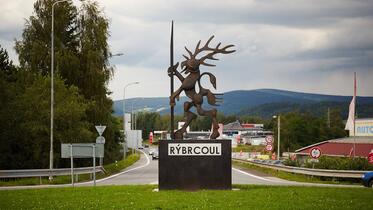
359 143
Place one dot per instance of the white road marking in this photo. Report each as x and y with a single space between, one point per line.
155 182
80 183
123 172
252 175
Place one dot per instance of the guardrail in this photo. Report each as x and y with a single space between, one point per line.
307 171
47 172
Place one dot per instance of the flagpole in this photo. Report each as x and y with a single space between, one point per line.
354 112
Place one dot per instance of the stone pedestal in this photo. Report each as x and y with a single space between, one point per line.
195 164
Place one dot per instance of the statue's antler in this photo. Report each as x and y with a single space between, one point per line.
216 50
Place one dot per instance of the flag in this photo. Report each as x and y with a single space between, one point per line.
350 124
351 115
351 151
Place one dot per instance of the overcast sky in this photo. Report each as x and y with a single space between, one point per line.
300 45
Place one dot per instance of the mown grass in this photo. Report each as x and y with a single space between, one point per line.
109 170
295 177
142 197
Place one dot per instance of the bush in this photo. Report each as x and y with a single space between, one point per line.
290 162
342 163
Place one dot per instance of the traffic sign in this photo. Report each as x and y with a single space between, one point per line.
315 152
269 139
370 157
273 156
269 147
100 140
100 129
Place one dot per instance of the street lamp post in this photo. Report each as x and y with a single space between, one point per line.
278 135
52 88
124 115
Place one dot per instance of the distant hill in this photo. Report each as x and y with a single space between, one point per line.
260 102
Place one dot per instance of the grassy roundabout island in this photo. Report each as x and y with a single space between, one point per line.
143 197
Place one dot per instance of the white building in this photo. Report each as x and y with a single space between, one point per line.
363 127
133 137
253 134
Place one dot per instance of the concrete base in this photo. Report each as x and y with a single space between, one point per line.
195 169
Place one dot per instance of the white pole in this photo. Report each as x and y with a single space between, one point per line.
72 164
94 164
124 114
278 137
52 89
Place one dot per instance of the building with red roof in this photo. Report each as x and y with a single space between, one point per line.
342 147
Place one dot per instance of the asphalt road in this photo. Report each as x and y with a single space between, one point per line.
145 171
148 174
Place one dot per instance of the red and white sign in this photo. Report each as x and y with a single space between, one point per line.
293 157
238 139
315 153
370 157
269 139
269 147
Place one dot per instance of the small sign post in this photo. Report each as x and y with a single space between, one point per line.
315 153
94 163
269 143
100 140
72 164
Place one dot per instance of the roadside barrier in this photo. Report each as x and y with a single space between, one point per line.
47 172
305 171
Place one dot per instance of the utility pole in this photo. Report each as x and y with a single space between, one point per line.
52 90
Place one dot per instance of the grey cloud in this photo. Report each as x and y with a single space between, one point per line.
289 13
297 45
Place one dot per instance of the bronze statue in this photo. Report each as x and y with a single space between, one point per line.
190 67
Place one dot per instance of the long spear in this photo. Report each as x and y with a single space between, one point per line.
172 77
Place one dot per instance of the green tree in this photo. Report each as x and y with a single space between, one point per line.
302 129
81 57
26 142
6 65
147 122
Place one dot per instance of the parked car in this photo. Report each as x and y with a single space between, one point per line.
368 179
